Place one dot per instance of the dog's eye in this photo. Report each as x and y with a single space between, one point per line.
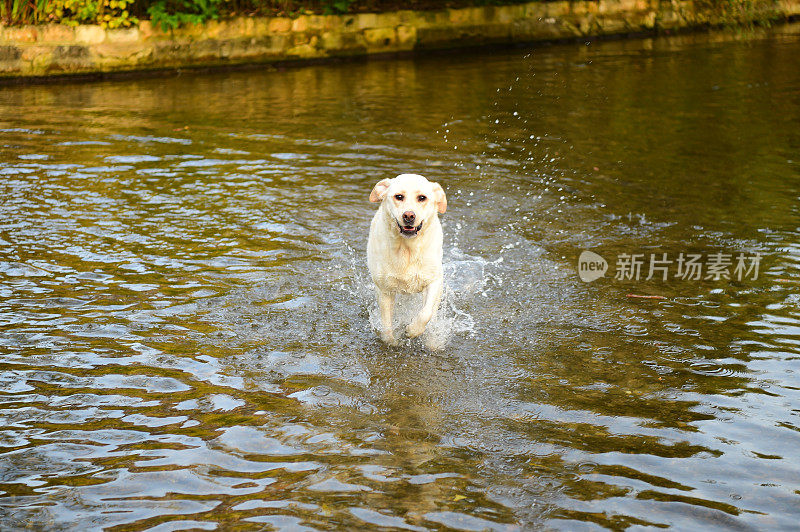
421 198
399 197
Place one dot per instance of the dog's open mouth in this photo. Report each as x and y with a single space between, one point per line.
409 230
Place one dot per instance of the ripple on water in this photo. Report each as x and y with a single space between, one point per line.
187 322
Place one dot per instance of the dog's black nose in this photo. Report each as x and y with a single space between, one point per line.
409 216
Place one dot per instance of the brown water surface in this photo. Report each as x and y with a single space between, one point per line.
185 311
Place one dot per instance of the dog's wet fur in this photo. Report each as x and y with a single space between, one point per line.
404 251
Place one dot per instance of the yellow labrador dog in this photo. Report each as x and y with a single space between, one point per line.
404 251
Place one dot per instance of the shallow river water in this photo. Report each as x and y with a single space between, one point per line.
186 316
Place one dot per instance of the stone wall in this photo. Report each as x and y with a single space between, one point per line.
53 50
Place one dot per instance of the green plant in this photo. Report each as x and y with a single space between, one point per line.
337 6
116 14
170 14
72 12
106 13
22 11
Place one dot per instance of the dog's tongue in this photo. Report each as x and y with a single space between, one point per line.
408 228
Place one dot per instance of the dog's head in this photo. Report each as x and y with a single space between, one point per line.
410 200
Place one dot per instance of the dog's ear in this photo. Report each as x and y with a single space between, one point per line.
379 190
440 198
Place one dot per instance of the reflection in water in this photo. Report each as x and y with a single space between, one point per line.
185 314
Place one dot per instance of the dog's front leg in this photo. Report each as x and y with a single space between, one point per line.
431 299
386 306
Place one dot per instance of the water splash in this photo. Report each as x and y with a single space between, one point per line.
464 276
